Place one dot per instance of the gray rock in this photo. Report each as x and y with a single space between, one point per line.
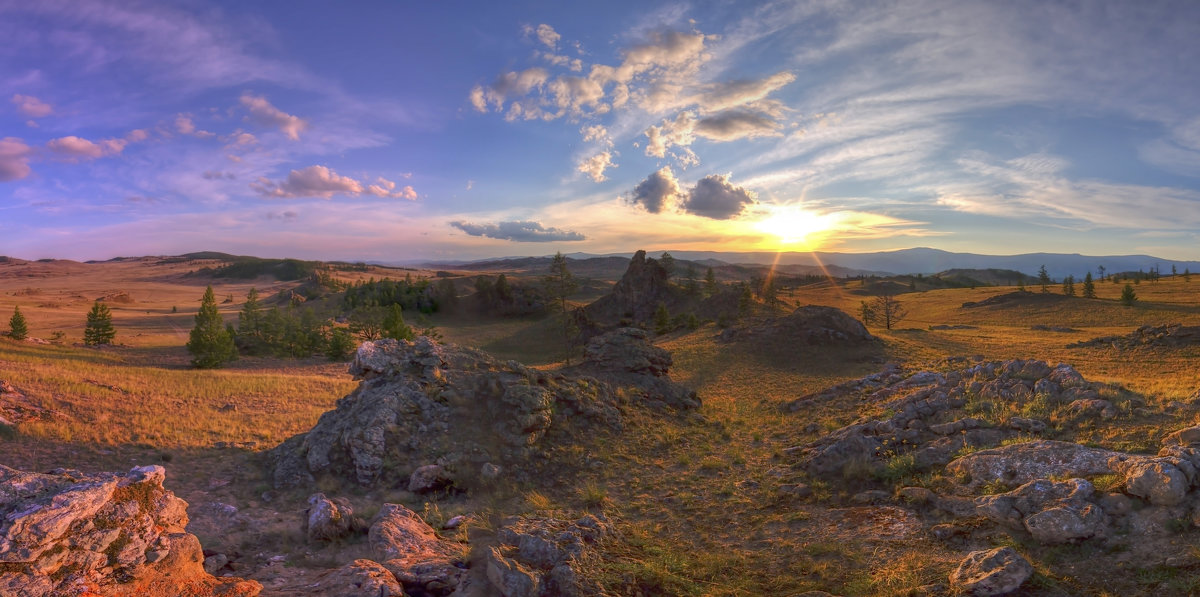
411 550
360 578
430 477
992 572
1183 437
510 578
1022 463
326 519
1158 480
215 562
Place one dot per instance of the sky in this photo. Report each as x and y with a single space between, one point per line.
396 131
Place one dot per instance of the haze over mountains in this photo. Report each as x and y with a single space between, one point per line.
905 261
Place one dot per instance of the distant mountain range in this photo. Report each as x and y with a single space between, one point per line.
904 261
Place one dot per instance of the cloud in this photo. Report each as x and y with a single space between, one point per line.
218 175
320 181
31 106
715 197
14 159
733 125
677 132
519 231
269 115
596 133
547 35
137 136
658 193
513 83
185 126
731 94
78 148
596 165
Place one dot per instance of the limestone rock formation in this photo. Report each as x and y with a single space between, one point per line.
636 295
328 519
809 325
410 549
423 403
66 532
1021 463
625 358
540 557
1171 335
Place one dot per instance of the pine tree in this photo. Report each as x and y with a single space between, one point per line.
1187 275
99 329
1089 286
251 336
394 326
559 285
1069 285
1044 279
668 263
710 282
19 329
210 343
662 319
340 345
1128 296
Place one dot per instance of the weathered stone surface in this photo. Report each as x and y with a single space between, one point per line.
1183 437
328 519
625 357
411 550
360 578
543 554
811 325
438 404
430 477
993 572
65 529
1022 463
510 578
1158 480
1171 335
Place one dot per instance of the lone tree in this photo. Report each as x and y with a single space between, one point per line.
394 326
710 282
1128 296
99 329
1044 279
1089 286
559 285
19 330
1069 285
210 344
883 309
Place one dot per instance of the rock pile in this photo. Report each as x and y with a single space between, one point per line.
926 408
66 532
432 416
540 557
1168 336
811 325
16 407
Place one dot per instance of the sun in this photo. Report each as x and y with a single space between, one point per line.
793 225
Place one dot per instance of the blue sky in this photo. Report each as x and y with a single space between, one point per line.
399 130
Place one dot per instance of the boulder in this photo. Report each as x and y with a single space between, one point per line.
1021 463
809 325
360 578
430 477
411 550
625 357
63 530
542 556
1183 437
1159 480
992 572
328 520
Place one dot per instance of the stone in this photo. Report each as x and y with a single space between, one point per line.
510 578
1052 511
328 520
1183 437
1021 463
489 471
812 325
1157 480
916 495
870 497
215 562
360 578
992 572
625 357
411 550
430 477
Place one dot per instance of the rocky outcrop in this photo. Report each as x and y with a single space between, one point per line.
360 578
329 519
1052 512
626 358
996 571
540 557
16 407
635 296
1021 463
1171 335
928 419
810 325
66 532
422 403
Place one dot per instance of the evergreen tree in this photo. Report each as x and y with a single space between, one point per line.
340 345
1020 283
1089 286
446 294
19 329
1187 275
866 312
559 285
210 343
1128 296
251 332
668 263
710 282
394 326
662 319
99 329
1069 285
1044 279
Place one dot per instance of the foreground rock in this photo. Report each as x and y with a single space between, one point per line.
928 419
410 549
542 556
993 572
1021 463
69 533
810 325
422 403
428 416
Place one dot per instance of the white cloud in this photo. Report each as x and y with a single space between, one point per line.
185 126
14 159
75 148
660 192
548 36
733 125
668 133
31 107
596 165
732 94
267 114
320 181
519 231
596 133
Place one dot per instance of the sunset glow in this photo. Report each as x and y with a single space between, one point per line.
796 228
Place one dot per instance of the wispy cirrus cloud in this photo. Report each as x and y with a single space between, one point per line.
263 112
31 106
324 183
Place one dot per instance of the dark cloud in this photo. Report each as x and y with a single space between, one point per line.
518 231
715 197
729 126
658 192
